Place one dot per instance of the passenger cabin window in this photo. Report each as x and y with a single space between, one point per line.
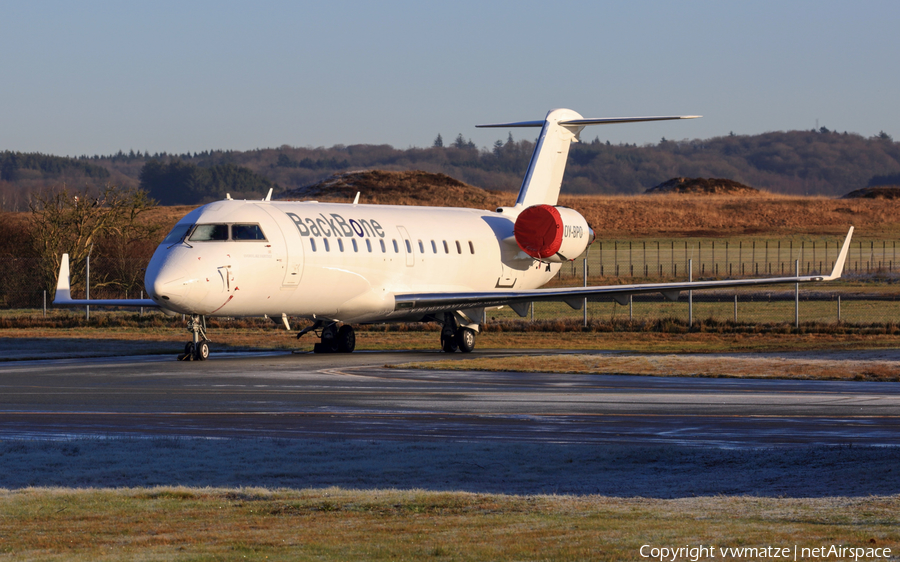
471 247
340 244
383 249
421 247
396 247
209 232
355 246
458 247
408 247
433 247
325 241
369 245
247 232
312 244
446 247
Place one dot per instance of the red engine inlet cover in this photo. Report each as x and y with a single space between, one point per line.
539 231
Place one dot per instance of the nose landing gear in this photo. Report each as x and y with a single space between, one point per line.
198 348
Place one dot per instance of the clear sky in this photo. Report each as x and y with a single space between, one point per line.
93 77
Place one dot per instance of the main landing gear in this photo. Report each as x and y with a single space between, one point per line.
332 339
198 348
454 336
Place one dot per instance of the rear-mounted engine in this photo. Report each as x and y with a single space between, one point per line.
552 234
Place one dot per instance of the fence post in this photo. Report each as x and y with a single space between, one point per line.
532 312
45 303
584 304
797 296
839 309
142 308
735 308
630 308
690 294
87 286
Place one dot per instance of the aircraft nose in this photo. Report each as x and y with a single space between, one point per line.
168 284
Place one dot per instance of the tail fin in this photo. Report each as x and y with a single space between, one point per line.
560 128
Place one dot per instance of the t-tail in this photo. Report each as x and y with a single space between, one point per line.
559 129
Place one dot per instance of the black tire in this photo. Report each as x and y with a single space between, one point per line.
189 349
346 339
448 344
465 339
327 345
202 353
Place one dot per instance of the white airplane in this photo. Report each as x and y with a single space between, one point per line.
344 264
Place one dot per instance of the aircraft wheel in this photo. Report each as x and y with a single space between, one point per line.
202 352
465 339
449 343
188 354
327 345
346 339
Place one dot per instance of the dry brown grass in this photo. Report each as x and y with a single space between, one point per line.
335 524
661 215
678 366
722 215
169 337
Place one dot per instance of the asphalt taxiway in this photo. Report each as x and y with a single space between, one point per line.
309 396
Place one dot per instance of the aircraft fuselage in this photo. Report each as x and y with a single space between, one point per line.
333 261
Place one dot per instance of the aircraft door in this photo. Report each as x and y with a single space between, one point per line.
407 246
287 246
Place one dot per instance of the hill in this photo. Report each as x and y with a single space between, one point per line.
398 188
880 192
702 186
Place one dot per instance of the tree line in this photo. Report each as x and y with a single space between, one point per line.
815 162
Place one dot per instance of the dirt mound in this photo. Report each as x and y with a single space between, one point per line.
880 192
398 188
709 186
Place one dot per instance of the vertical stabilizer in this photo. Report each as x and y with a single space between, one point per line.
559 129
545 171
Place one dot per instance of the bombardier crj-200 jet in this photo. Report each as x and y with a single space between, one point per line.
344 264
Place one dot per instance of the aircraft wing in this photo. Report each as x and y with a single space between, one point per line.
574 296
63 295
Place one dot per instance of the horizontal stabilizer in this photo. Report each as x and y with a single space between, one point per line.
592 121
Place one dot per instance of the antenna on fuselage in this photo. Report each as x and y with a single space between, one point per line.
269 195
356 199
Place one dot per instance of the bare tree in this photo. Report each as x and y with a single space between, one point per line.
65 221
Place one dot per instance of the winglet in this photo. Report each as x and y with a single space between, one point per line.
841 259
63 292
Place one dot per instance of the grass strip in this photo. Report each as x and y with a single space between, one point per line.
338 524
803 368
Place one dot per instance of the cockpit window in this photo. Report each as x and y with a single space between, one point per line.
247 232
177 234
208 232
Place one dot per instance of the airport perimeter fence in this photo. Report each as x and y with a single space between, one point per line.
870 295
